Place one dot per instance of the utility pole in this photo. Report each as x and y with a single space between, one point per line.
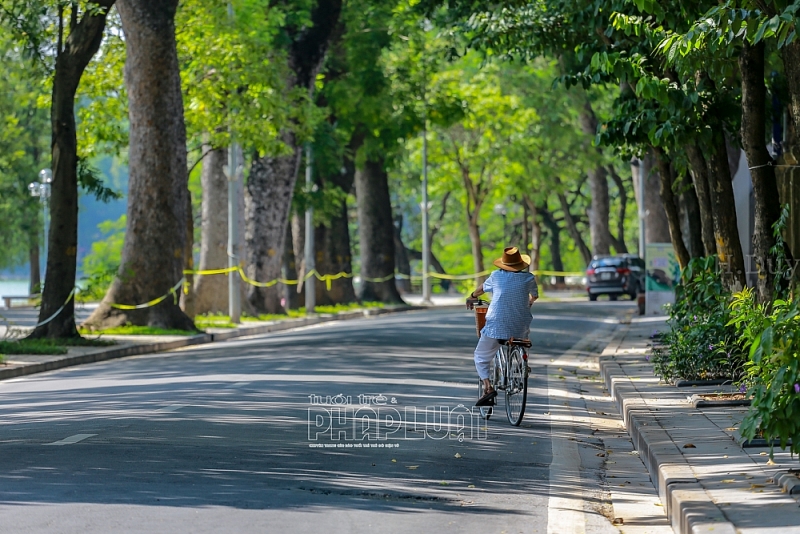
426 236
310 284
233 173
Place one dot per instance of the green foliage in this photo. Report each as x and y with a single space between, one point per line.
24 144
701 343
100 266
773 338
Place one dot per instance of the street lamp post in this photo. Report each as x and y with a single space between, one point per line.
42 190
310 285
426 236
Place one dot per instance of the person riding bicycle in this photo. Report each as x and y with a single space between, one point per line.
514 291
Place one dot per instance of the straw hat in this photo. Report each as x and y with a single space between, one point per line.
512 260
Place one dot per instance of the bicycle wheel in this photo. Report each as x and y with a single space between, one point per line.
516 385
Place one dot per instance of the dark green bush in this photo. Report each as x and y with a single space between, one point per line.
700 344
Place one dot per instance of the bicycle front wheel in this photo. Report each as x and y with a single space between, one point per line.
516 385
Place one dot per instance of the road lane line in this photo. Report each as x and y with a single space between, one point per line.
171 408
72 439
565 504
565 507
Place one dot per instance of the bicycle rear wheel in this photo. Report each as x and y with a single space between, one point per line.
516 385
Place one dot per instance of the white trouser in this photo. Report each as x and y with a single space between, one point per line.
484 354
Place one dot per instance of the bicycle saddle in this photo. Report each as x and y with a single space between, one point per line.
515 342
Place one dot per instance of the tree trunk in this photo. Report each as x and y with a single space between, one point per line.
536 240
376 234
337 253
153 255
270 186
671 207
187 297
268 199
598 184
699 169
572 228
762 172
526 236
790 54
211 291
555 244
402 263
723 209
619 241
335 258
83 42
656 226
477 245
35 285
691 206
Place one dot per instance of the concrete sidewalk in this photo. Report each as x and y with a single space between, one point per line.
706 481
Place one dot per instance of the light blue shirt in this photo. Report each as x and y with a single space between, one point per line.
509 314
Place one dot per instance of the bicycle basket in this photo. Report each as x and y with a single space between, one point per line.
480 317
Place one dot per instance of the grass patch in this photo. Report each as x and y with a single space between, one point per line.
224 321
49 346
130 330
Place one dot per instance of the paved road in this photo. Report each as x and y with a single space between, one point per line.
216 438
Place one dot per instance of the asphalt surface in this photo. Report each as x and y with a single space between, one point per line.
231 437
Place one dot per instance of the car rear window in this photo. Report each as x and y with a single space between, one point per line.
607 262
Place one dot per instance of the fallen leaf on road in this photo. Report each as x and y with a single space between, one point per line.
471 486
770 462
412 467
725 456
547 413
732 429
443 483
618 521
600 454
658 504
458 455
754 486
763 453
689 446
394 461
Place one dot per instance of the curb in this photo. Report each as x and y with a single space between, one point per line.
200 339
687 505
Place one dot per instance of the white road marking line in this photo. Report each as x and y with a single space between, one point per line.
171 408
72 439
565 506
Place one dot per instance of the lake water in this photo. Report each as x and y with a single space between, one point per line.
13 288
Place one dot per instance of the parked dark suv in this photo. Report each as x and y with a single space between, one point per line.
614 276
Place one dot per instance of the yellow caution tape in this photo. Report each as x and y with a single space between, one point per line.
329 278
150 304
226 270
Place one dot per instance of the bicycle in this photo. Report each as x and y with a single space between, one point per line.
510 373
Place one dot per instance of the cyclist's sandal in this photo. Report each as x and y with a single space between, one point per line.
487 400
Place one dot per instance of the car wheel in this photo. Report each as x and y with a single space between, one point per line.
612 297
593 297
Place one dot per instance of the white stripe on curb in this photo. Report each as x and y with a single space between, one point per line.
72 439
